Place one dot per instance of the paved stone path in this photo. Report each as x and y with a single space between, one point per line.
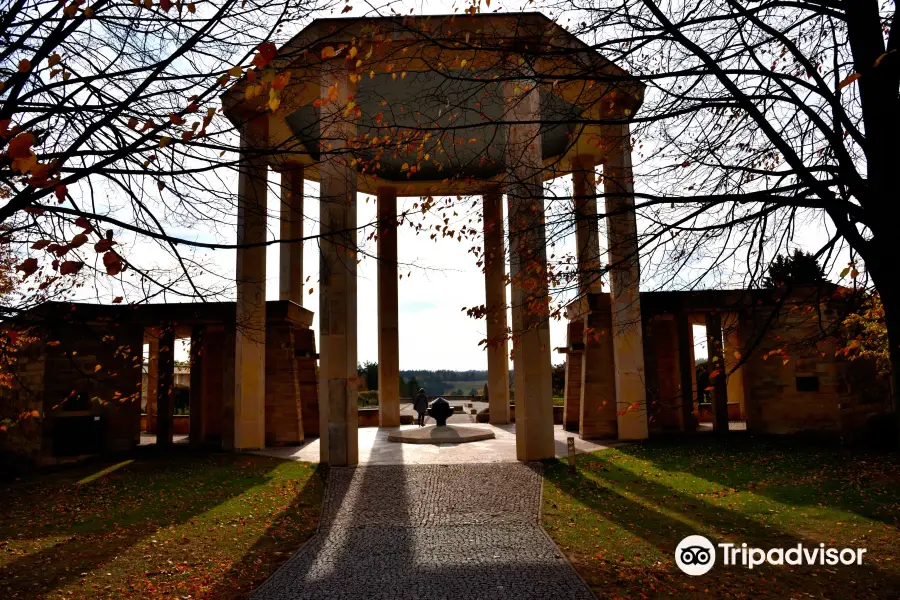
429 532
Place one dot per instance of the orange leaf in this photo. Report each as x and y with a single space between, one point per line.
70 267
117 300
265 53
20 146
848 80
328 52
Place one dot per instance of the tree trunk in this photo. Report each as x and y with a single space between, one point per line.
889 291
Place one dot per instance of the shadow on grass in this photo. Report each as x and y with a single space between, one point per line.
89 525
660 515
293 527
791 470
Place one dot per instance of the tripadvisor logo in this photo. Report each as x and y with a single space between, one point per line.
696 555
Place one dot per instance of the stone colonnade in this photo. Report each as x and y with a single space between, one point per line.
614 411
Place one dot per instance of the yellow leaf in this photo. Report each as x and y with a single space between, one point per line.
274 100
88 12
328 52
97 368
353 52
848 80
252 91
235 71
164 141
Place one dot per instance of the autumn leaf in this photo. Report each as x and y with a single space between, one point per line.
79 240
54 59
328 52
103 246
281 80
117 300
20 146
235 71
848 80
28 266
165 5
70 267
40 244
265 53
83 223
347 9
24 65
60 192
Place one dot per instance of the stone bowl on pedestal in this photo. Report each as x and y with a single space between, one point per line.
441 434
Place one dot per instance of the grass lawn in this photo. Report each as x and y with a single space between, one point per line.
620 516
183 526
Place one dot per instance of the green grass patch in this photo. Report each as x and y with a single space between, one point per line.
620 515
178 526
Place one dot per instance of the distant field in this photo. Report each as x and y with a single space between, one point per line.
465 386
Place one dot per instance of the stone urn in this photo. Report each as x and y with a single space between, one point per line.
439 410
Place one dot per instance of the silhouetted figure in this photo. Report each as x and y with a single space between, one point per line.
420 404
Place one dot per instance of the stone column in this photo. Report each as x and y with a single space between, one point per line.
528 273
152 379
165 390
290 280
338 393
198 386
733 353
598 374
631 400
388 307
686 371
717 376
587 237
574 354
250 339
495 303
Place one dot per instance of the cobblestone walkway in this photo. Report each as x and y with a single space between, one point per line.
411 532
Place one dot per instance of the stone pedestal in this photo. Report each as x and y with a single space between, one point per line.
495 302
528 272
631 401
388 307
338 391
250 338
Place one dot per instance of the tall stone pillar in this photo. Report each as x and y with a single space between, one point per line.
686 371
733 353
165 390
587 236
338 392
528 273
574 354
290 280
717 374
152 378
198 387
495 303
250 339
388 307
598 374
631 400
